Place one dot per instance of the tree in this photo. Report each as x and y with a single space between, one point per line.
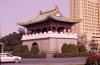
25 49
17 49
69 50
82 48
11 41
21 31
73 49
35 48
64 48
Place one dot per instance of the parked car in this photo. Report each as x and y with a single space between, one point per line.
7 57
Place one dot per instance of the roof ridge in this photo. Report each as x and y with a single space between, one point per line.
55 9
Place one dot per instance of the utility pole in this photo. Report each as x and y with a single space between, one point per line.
0 29
2 45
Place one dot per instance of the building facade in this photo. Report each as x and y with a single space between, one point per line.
89 13
49 30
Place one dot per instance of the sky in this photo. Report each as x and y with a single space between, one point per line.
12 11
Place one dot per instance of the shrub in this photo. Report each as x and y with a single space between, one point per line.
34 49
73 49
82 48
17 49
25 49
20 50
64 48
70 50
82 54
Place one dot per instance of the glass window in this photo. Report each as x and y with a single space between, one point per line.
9 55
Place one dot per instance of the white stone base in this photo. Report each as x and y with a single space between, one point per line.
50 45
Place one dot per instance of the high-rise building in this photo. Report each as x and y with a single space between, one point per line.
89 13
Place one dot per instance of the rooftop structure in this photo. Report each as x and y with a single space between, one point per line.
54 14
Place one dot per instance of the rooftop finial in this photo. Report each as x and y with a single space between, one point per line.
56 7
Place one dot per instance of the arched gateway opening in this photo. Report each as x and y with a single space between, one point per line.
34 43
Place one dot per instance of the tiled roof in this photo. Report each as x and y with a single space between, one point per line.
45 15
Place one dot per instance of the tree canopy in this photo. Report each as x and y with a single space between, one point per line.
11 40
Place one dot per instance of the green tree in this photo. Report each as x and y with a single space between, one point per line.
73 49
64 48
82 48
34 48
25 49
11 41
17 49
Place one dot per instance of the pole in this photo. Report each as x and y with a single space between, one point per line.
0 29
2 45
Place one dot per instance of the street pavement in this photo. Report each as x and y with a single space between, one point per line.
50 61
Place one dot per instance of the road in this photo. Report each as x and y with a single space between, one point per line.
50 61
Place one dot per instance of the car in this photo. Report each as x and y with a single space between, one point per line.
7 57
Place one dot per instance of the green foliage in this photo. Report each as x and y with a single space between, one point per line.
17 49
70 50
82 48
73 49
11 41
0 47
22 51
25 49
64 48
34 49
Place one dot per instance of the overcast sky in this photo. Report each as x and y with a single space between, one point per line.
12 11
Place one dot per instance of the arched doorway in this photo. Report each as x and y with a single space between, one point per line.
35 43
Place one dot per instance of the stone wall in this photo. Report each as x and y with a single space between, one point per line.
50 45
